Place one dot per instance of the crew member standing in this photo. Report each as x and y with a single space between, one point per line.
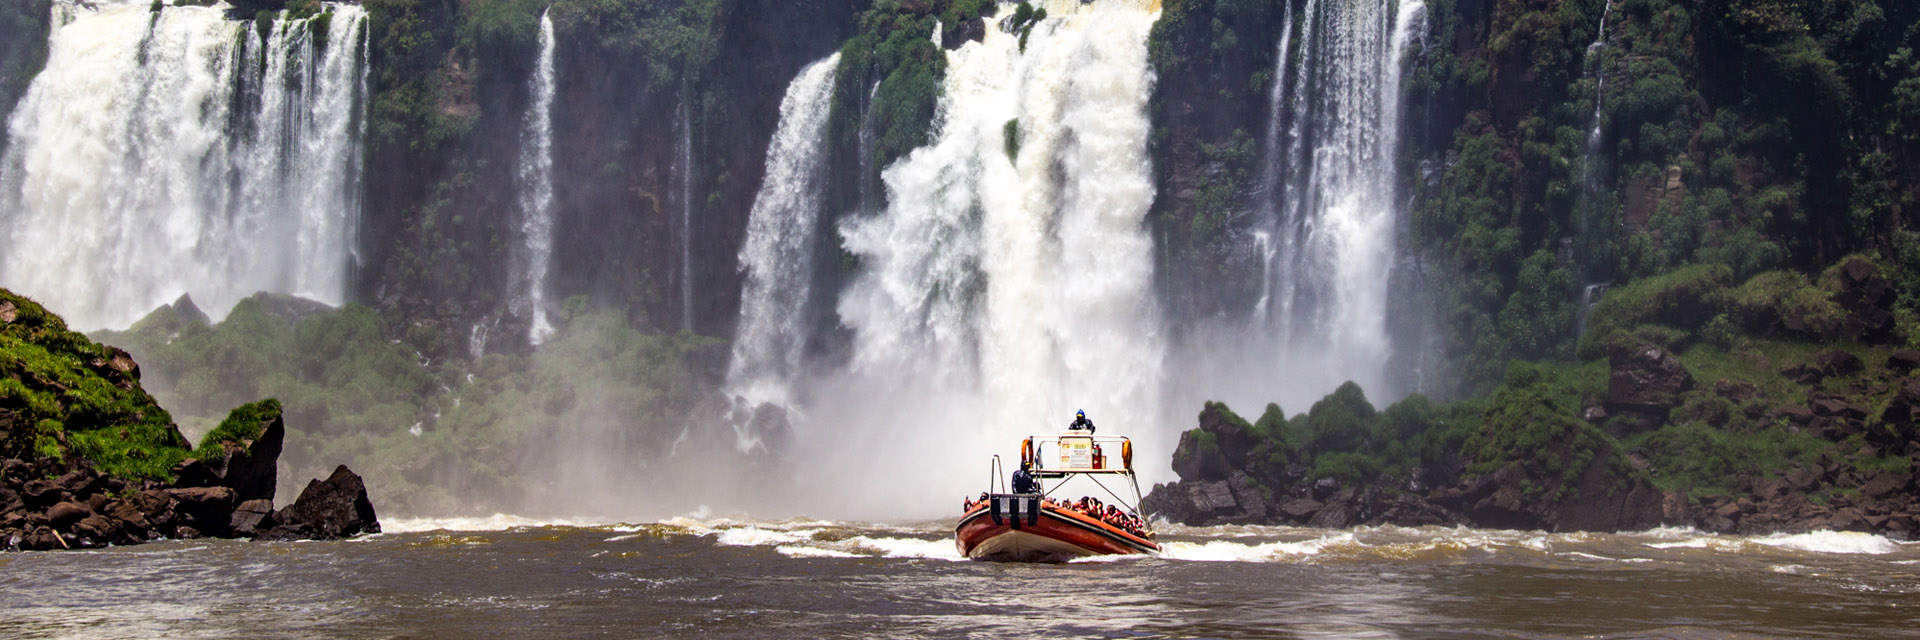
1080 421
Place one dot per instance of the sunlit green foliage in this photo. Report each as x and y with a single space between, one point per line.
60 396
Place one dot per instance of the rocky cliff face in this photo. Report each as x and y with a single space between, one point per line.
643 93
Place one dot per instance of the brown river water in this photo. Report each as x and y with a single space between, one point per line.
719 578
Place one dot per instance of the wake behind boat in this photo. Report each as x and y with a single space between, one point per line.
1029 524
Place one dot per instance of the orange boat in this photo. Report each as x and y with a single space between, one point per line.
1036 527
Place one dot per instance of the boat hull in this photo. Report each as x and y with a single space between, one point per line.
1052 535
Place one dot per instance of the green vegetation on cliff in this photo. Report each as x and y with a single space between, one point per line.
63 395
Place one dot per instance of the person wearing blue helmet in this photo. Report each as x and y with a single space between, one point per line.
1080 421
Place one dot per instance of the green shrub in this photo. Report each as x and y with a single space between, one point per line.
1784 303
1684 298
244 423
1342 421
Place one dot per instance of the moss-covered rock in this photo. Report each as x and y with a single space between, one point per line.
65 396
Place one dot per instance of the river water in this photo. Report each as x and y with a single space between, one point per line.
507 577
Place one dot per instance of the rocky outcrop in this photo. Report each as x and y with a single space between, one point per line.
47 505
1644 378
327 509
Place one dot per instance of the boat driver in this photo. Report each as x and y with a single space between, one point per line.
1079 421
1023 481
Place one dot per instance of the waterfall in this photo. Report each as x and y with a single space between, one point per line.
177 151
780 244
1591 169
1270 181
996 295
1334 242
532 259
686 209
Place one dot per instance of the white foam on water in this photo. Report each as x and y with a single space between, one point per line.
797 551
1690 543
1847 542
942 549
755 536
1227 551
495 522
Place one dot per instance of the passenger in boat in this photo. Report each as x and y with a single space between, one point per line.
1080 421
1023 481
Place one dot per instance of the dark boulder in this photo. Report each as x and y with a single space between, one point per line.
252 466
40 493
333 508
249 467
63 515
251 518
42 539
206 510
1644 377
974 30
96 531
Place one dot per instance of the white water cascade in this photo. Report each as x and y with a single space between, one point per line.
177 151
1334 206
535 254
686 209
780 244
995 296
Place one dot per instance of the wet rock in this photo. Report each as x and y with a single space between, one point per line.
206 510
82 482
41 493
1334 516
1249 495
42 539
338 507
1848 519
96 531
251 466
133 523
1675 509
63 515
251 517
1644 378
192 472
1884 484
1300 509
974 30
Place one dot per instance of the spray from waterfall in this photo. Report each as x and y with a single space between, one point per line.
534 256
182 152
778 256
